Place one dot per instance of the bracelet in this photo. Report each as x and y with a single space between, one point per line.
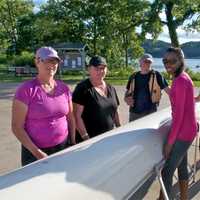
84 135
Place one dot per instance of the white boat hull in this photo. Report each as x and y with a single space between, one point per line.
110 166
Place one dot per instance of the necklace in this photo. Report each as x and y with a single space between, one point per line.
48 87
101 89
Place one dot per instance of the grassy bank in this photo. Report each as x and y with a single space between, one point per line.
118 76
11 78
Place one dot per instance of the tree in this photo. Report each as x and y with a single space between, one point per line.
80 21
176 12
27 35
10 11
96 16
58 21
127 16
110 24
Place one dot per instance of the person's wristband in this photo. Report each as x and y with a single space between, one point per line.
85 135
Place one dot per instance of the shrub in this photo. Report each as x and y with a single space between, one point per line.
120 72
3 59
25 58
194 76
73 72
166 75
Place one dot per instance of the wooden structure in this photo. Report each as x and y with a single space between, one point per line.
72 54
22 70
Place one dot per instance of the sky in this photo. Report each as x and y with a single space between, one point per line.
182 35
39 1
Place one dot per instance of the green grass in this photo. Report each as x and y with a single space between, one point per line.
196 83
11 78
70 78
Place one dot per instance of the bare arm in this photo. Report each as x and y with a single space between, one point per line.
128 98
78 110
71 121
116 119
19 112
167 90
197 98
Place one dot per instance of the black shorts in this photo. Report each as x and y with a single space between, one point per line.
27 157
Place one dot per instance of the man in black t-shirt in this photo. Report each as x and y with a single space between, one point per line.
144 89
95 102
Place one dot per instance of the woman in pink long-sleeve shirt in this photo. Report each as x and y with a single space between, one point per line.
184 124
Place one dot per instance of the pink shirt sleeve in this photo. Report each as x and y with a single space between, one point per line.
69 94
178 98
23 93
67 90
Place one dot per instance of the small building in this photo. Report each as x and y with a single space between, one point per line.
73 55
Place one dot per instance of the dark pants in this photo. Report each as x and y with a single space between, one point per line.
133 116
177 159
78 138
27 157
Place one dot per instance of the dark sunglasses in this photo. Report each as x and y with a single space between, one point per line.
169 61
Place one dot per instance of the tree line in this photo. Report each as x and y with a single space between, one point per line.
115 29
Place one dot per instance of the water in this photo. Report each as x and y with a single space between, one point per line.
190 63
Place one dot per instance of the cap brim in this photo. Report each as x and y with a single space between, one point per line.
98 64
58 58
149 59
104 64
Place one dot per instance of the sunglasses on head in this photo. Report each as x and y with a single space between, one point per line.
169 61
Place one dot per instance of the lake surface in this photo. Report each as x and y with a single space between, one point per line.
193 64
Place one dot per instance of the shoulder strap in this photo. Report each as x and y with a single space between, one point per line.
154 88
133 75
132 83
152 76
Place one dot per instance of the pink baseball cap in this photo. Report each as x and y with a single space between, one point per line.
45 53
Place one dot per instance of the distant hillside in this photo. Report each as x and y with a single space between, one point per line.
191 49
158 48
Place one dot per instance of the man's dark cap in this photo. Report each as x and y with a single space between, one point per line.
97 60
